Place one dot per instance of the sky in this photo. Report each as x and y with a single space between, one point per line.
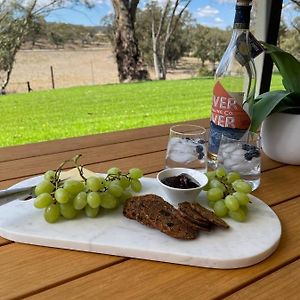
213 13
218 13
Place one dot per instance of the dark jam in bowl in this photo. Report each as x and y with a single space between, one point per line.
181 181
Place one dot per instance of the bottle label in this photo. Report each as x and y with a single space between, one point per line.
255 45
227 117
247 47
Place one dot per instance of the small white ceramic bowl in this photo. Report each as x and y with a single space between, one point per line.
177 195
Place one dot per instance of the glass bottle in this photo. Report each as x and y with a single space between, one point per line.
235 79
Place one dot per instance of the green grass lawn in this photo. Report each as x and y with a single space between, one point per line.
56 114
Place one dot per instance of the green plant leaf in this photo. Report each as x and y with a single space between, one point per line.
264 105
288 66
288 104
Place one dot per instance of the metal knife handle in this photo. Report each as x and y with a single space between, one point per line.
15 193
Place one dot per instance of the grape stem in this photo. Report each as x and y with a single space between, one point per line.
229 188
78 166
112 177
58 171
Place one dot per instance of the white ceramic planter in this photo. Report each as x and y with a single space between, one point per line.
281 138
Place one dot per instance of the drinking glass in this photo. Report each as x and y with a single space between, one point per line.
187 147
242 156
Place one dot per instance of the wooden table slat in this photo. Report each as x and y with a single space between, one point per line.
154 280
39 164
282 284
44 273
73 144
99 159
32 268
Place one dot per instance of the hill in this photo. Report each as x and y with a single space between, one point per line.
46 35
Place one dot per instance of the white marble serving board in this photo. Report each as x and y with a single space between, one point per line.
244 244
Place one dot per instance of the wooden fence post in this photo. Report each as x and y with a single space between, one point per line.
52 77
29 87
92 70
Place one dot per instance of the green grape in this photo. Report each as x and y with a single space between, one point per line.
103 182
211 175
66 198
91 212
93 199
108 201
220 209
80 201
244 208
124 182
44 187
235 203
206 187
237 215
136 185
125 195
135 173
62 196
242 198
214 183
232 176
52 213
220 172
67 210
115 189
232 203
49 175
73 186
214 194
94 184
211 204
114 171
43 200
242 186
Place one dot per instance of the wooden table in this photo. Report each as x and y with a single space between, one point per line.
47 273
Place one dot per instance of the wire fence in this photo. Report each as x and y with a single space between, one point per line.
14 87
44 70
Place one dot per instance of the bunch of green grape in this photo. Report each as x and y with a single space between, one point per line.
70 197
227 194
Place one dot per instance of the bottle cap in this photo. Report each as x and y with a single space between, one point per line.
242 14
244 2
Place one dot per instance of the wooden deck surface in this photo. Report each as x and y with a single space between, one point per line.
47 273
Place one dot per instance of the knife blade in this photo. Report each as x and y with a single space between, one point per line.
21 193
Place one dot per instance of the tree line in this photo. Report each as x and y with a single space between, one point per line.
157 35
45 35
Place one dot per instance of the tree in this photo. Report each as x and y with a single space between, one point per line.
289 36
162 30
17 19
296 24
108 29
179 43
296 21
36 30
130 66
296 2
169 44
219 41
209 44
283 30
295 6
291 43
201 43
